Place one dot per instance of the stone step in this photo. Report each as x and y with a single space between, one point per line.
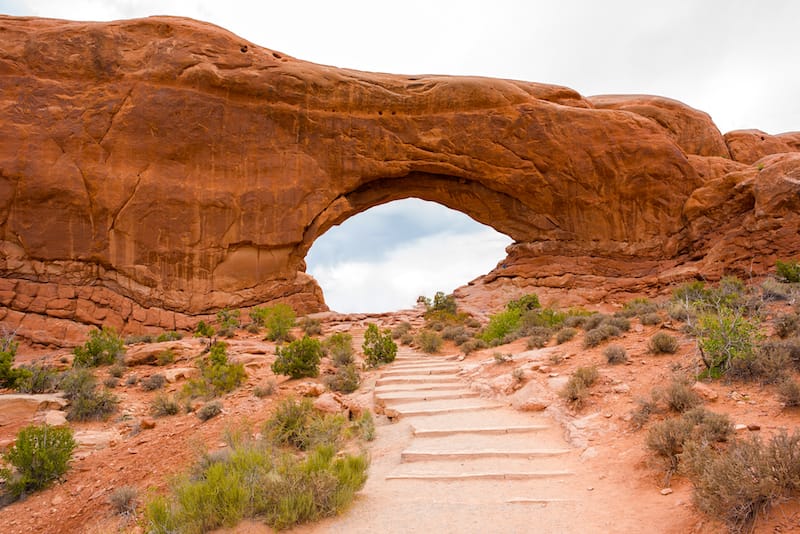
402 396
488 475
431 386
472 454
421 371
438 407
416 379
423 365
489 430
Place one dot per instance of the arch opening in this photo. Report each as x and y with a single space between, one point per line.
383 258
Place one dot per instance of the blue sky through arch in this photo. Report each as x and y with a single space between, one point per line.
384 258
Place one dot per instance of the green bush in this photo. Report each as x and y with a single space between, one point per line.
40 455
615 354
428 341
103 347
378 347
36 379
663 343
524 303
501 325
204 330
170 335
278 320
228 321
8 351
788 271
346 379
443 305
220 374
723 337
299 358
165 357
339 347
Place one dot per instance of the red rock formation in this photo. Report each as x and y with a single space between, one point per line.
155 170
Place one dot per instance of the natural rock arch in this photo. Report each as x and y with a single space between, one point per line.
159 169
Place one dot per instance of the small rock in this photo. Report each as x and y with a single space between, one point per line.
608 415
544 369
590 488
739 427
752 427
147 424
705 391
533 405
553 375
666 491
329 403
621 388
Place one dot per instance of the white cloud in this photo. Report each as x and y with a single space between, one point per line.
441 261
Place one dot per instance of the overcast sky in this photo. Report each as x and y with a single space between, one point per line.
735 59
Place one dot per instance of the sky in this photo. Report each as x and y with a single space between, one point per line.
734 59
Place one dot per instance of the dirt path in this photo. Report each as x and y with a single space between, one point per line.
454 462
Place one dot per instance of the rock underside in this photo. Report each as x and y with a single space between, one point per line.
153 171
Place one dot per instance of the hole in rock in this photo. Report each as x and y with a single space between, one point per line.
384 258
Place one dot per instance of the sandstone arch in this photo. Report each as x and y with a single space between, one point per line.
154 170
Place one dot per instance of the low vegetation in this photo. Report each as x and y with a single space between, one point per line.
39 456
217 374
378 346
429 341
298 359
87 401
576 390
278 320
268 479
103 347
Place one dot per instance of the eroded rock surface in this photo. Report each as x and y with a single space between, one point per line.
153 171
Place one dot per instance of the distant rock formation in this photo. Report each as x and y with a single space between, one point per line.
153 171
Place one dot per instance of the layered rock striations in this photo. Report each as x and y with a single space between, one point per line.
156 170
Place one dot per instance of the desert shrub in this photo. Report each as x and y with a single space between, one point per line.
637 307
204 330
575 321
615 354
621 323
117 370
288 423
278 320
110 382
524 303
788 271
594 321
501 358
365 426
472 345
217 374
339 347
36 379
679 396
787 324
406 340
401 330
346 379
708 426
378 347
131 380
311 327
789 392
649 319
163 405
539 336
741 482
103 347
80 387
663 343
254 480
139 338
153 382
768 364
454 333
576 390
565 334
640 416
265 390
428 341
442 306
165 357
603 332
723 337
40 455
299 358
538 318
209 410
666 439
501 325
772 290
170 335
123 500
228 321
678 311
8 351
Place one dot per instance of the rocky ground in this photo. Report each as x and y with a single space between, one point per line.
461 440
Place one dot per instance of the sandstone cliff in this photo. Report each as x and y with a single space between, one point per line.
155 170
